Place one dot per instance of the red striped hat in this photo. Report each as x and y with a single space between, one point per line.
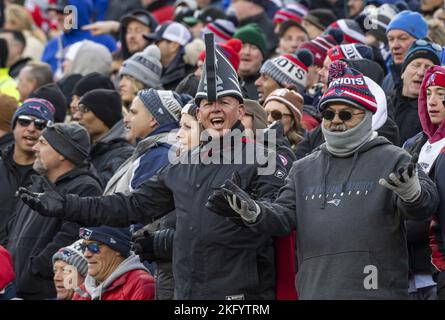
294 12
347 85
352 32
320 46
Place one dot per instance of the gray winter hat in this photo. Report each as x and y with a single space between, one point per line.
73 256
70 140
145 67
164 105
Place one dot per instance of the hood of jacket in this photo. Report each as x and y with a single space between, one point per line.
433 131
113 138
96 290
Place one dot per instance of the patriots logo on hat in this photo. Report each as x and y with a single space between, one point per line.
338 92
85 233
431 79
161 111
112 240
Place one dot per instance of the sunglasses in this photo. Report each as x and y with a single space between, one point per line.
92 247
277 115
343 115
25 121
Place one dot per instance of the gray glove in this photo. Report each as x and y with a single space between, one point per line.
240 201
407 184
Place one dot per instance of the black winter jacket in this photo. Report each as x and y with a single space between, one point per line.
109 152
405 114
34 239
213 258
12 176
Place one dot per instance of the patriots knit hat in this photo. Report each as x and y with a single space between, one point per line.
291 11
53 94
118 239
252 33
319 46
73 255
423 49
351 51
352 32
105 104
164 105
289 69
230 49
347 85
222 29
145 67
291 99
92 81
39 108
8 108
321 18
411 22
70 140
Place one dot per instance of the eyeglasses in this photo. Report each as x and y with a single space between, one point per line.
92 247
434 46
343 115
25 121
83 109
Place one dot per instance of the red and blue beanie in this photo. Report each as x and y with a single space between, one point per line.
351 51
352 32
347 85
39 108
291 11
118 239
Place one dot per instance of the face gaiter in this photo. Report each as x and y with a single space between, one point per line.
344 144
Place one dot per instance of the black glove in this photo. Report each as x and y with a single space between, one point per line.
144 247
50 203
217 201
240 202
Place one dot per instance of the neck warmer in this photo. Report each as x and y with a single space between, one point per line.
344 144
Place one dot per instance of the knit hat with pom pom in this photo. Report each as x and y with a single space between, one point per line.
320 46
145 67
289 69
347 85
230 49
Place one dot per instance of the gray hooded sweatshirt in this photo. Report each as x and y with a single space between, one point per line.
348 227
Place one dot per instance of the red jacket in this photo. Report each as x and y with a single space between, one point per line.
6 269
285 267
133 285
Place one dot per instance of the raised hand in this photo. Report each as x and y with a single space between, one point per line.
405 183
